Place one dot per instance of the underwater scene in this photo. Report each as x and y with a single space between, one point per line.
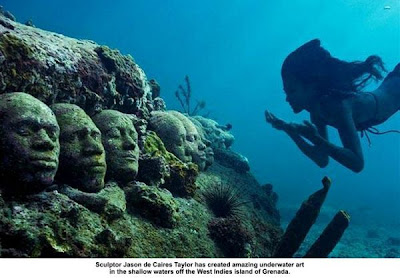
200 129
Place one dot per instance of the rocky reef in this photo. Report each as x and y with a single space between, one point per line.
93 165
55 68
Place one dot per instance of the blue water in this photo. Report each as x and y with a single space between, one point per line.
232 51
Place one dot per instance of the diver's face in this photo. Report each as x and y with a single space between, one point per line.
120 142
297 94
82 157
29 144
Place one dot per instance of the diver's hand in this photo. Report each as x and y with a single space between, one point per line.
277 123
308 130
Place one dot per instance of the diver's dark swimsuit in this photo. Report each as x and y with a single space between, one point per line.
368 126
374 121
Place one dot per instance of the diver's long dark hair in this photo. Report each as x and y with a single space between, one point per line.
312 64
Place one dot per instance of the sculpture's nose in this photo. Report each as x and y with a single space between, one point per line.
129 143
43 141
92 146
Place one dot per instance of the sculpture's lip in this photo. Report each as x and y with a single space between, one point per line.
96 167
130 157
202 155
47 163
44 158
95 164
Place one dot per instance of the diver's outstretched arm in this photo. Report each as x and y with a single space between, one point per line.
296 131
314 152
350 155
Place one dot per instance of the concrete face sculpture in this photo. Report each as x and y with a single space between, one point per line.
209 150
172 132
193 143
120 142
82 157
29 146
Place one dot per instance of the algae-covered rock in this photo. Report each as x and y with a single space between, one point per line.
49 225
110 202
81 216
181 177
153 203
182 180
155 88
231 236
153 170
266 199
255 220
159 104
55 68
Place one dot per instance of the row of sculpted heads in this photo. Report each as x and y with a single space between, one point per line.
32 134
182 138
104 147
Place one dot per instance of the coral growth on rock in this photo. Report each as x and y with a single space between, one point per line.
55 68
128 183
153 203
231 236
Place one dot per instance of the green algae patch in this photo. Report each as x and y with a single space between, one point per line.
14 48
182 176
153 203
112 59
155 147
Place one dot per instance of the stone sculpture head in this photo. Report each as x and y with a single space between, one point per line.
209 150
120 140
172 132
29 146
193 143
82 156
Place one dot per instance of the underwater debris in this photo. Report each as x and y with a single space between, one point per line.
324 245
302 222
224 200
184 97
